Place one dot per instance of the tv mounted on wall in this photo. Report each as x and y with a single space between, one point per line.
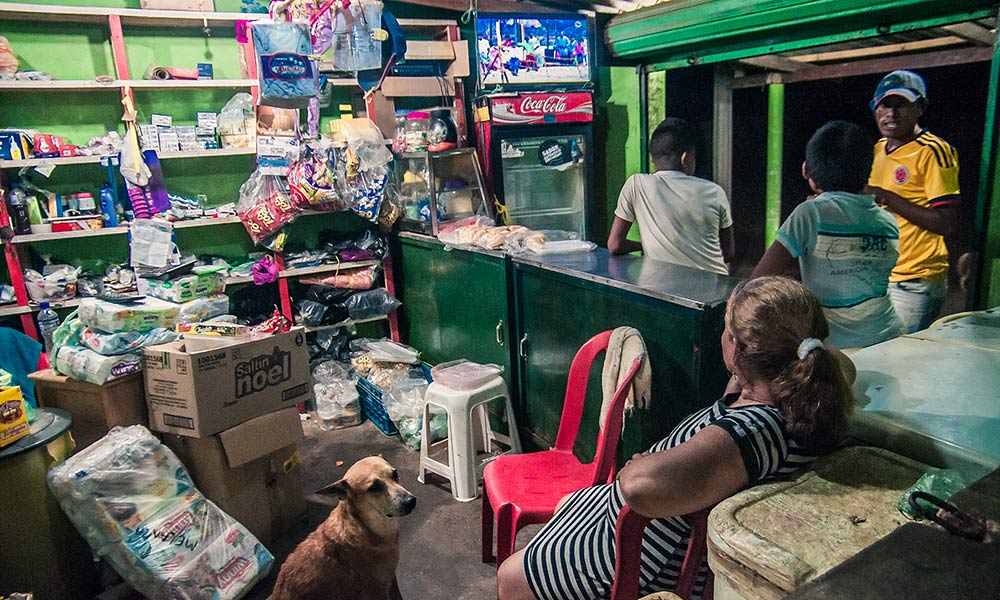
522 51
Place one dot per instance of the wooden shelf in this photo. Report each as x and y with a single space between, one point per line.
303 271
17 11
8 310
181 84
60 85
120 230
83 160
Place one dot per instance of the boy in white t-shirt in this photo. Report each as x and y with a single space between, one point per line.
682 219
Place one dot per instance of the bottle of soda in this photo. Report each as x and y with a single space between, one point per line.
48 321
18 203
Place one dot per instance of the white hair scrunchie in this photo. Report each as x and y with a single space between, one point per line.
807 346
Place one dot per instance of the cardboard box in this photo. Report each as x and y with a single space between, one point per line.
200 393
250 471
95 408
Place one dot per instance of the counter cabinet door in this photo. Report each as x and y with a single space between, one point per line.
558 314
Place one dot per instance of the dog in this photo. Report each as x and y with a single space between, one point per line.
353 553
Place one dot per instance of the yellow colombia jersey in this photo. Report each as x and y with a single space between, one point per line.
925 172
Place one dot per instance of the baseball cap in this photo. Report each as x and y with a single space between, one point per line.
900 83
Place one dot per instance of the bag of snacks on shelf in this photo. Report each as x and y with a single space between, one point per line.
316 179
135 504
288 77
265 206
369 191
360 278
113 344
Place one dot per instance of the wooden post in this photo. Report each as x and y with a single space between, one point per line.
775 139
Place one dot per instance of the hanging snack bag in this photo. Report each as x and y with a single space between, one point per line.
265 206
287 76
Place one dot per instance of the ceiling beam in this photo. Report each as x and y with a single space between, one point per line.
972 32
869 51
775 62
926 60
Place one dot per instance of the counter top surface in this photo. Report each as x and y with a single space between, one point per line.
685 286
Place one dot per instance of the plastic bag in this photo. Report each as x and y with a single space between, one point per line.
265 271
287 75
463 374
68 333
368 189
58 284
236 123
371 304
112 344
366 143
203 309
265 206
330 344
310 313
318 179
404 403
135 504
942 483
140 316
386 351
335 389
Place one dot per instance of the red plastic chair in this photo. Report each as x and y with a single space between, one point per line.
628 549
522 489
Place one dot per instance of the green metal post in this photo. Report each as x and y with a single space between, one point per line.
987 223
775 137
643 118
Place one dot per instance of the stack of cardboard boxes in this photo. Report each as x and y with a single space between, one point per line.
226 407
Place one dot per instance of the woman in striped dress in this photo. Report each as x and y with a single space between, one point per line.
789 401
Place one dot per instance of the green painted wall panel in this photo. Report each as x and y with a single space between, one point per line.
160 46
66 50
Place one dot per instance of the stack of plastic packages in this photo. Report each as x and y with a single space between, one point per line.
133 501
102 340
199 293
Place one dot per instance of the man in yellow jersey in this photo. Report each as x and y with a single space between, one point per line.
915 176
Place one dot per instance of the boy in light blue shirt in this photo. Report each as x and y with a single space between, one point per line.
845 244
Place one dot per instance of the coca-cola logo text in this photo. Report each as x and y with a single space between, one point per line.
546 105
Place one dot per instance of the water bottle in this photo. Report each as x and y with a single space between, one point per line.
48 321
19 218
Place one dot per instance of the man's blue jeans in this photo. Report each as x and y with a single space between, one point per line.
918 301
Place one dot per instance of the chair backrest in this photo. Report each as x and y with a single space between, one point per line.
628 550
572 413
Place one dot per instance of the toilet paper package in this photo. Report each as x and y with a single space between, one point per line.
135 504
86 365
141 316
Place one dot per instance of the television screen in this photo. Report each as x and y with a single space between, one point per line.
533 51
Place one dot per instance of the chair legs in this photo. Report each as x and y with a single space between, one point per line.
508 518
487 518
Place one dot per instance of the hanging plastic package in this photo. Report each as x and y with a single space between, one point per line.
265 206
288 77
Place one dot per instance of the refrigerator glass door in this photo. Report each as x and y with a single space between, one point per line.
540 195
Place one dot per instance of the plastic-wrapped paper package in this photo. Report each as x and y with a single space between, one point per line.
141 316
287 76
203 309
86 365
136 506
113 344
187 287
335 389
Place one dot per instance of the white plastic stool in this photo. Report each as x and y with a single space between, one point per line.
463 471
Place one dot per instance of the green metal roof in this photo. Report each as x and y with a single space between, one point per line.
691 31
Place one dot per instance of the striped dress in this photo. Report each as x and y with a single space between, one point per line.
573 556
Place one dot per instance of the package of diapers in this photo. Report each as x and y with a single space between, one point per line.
134 503
185 288
109 317
86 365
203 309
113 344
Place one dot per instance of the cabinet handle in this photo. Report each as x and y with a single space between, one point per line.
522 349
500 332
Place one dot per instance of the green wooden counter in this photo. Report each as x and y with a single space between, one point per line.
532 314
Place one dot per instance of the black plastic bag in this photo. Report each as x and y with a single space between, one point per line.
371 304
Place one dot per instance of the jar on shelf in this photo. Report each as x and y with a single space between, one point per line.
418 125
399 141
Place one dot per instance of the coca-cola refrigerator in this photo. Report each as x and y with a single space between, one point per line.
537 158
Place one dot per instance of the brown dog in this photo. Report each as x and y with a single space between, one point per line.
354 552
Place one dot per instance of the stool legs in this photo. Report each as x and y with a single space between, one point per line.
462 454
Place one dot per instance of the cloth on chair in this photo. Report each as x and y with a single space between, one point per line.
19 358
625 346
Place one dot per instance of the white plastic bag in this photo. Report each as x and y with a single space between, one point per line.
365 141
335 389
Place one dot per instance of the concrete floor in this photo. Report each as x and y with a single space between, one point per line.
440 539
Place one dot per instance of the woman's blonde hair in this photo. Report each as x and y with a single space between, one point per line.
769 318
